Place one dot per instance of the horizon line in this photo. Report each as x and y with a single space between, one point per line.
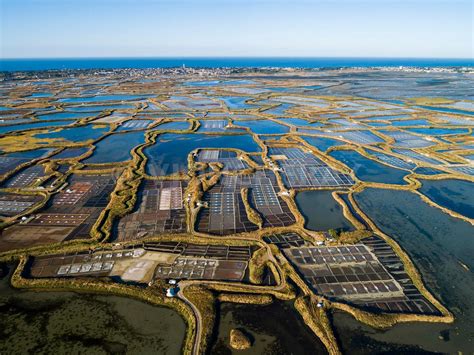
235 57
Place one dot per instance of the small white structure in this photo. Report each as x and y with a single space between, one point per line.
138 252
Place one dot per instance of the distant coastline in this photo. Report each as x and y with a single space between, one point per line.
11 65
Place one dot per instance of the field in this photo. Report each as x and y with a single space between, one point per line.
182 186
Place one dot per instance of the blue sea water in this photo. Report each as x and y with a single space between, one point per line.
141 63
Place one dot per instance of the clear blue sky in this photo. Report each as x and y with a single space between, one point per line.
334 28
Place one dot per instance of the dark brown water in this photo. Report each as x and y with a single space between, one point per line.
70 323
358 339
276 329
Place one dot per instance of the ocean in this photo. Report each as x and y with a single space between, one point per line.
201 62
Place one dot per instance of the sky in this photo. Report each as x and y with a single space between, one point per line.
234 28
